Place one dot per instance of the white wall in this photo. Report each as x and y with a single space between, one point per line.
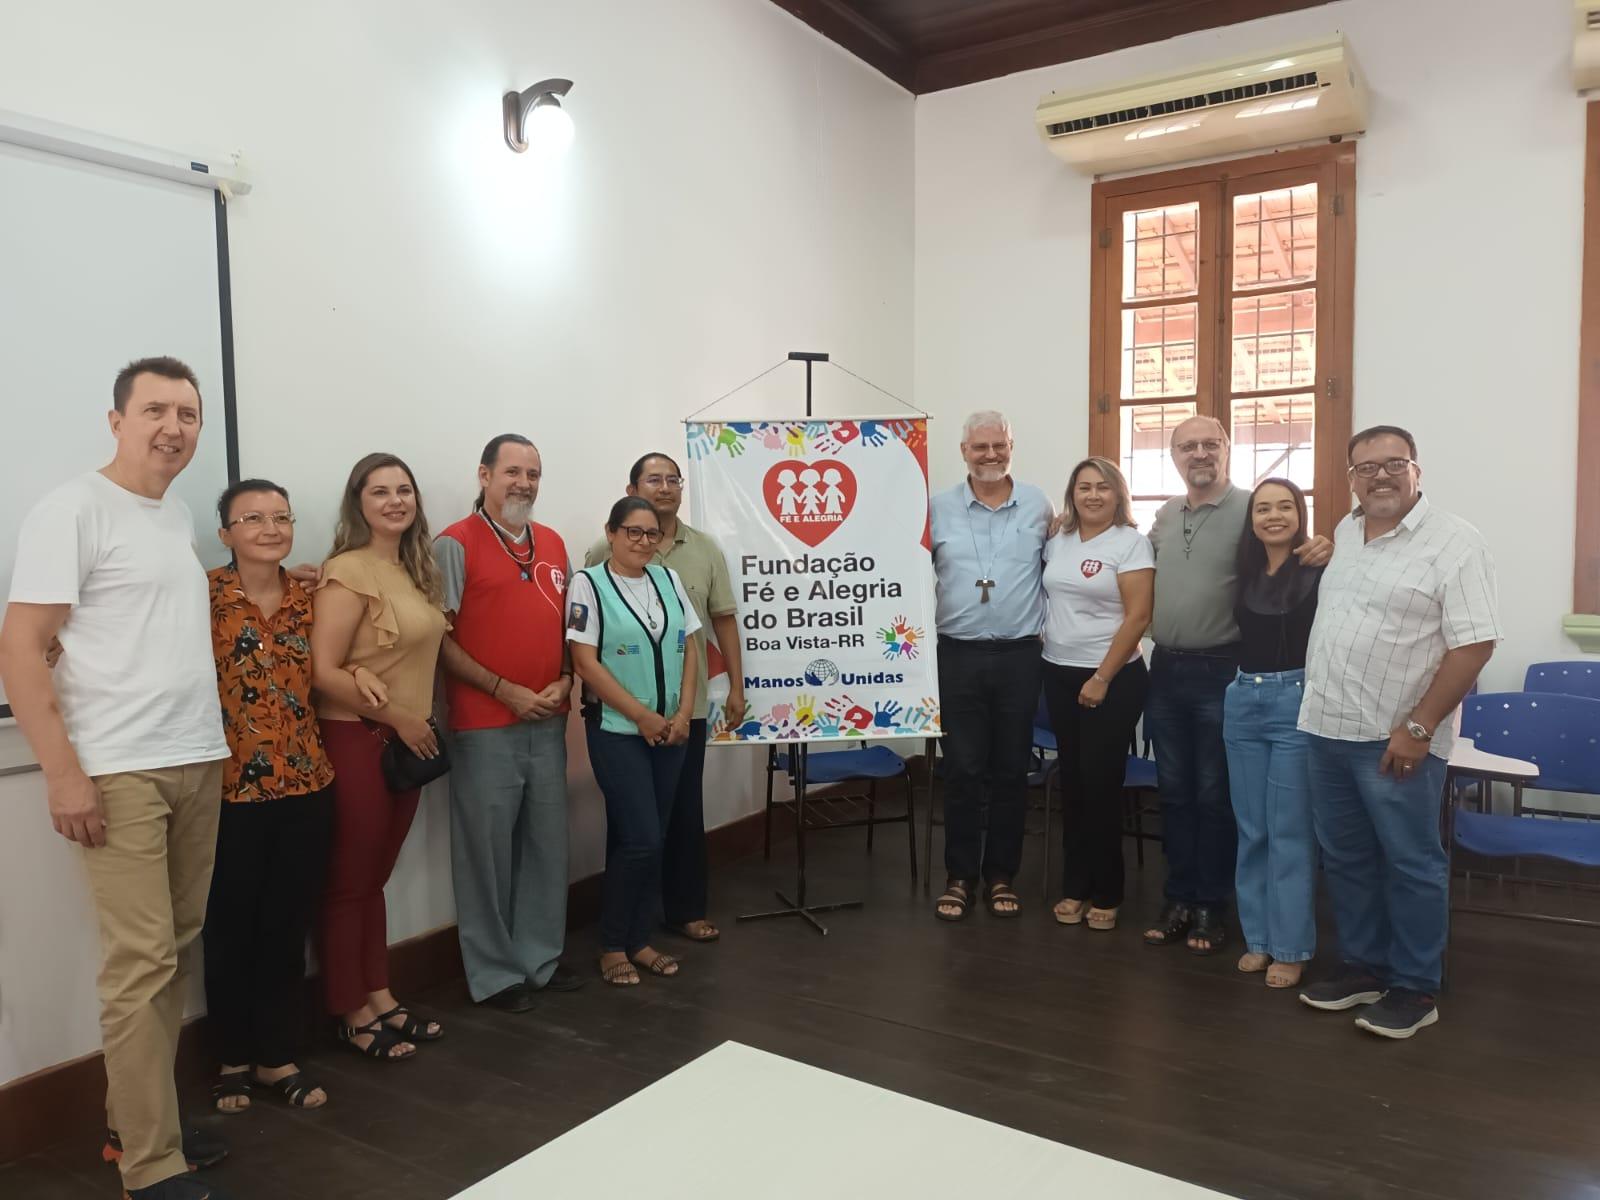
1468 212
401 281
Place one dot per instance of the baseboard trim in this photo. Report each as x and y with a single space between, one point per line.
69 1098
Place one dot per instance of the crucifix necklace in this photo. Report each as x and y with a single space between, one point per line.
986 578
642 606
1190 532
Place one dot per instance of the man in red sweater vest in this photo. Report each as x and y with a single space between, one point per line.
507 677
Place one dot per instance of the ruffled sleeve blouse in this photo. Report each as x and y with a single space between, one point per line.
400 632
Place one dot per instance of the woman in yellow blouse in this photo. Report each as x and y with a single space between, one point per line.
378 606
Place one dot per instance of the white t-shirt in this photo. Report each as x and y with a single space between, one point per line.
1083 606
136 680
640 596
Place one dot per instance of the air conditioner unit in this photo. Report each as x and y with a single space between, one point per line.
1586 44
1300 93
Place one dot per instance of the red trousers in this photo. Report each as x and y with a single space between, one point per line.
370 826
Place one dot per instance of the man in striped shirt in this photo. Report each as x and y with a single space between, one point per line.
1405 622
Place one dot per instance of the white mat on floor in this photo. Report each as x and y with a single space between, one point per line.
742 1123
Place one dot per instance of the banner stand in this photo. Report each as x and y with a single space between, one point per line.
800 752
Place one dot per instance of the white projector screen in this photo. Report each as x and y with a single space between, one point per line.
99 266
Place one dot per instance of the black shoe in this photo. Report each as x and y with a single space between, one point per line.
519 997
1399 1014
200 1149
1208 927
562 980
1347 991
179 1187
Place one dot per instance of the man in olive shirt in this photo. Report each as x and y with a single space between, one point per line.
698 560
1196 539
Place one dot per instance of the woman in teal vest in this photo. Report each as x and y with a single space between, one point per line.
629 622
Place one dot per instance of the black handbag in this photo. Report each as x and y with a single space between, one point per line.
405 771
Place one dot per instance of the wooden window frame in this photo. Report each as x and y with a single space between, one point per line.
1334 167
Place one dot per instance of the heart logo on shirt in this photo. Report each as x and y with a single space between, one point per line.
810 500
552 584
1090 567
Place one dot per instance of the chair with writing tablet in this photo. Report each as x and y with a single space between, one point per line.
1526 739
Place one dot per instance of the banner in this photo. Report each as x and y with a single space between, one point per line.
825 528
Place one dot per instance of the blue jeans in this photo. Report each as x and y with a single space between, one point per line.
1183 715
1275 876
508 852
639 782
1386 868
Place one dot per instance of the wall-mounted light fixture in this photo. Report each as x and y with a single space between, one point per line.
534 117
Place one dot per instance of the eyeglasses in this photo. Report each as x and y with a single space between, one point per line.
984 449
1209 445
1391 466
255 520
655 481
638 533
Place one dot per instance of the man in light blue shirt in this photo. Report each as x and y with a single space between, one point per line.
988 559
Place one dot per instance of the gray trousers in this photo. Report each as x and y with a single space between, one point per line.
508 851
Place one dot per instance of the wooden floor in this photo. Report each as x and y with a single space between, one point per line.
1152 1056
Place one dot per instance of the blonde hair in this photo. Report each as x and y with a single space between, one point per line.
416 545
1121 514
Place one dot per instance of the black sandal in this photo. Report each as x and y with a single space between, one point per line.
1173 923
957 895
292 1089
231 1083
383 1040
413 1028
997 894
1208 926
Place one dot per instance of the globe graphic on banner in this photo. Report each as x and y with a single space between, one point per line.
820 672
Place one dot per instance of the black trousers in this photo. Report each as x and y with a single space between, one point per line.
683 848
989 693
272 865
1092 748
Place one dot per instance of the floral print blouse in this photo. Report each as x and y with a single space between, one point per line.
264 680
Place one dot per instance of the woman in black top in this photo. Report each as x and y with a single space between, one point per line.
1275 605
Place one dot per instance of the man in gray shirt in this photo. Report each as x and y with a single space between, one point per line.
1196 538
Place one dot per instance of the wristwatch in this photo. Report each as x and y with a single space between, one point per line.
1420 732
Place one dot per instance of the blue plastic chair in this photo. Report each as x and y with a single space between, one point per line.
1580 678
868 764
1560 734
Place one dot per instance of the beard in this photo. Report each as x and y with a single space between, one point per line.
516 511
1202 476
989 474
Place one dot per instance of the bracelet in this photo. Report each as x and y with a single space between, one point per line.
1101 678
497 682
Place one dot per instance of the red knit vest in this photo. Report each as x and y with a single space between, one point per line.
511 626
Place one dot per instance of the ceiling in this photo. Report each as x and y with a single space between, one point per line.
929 45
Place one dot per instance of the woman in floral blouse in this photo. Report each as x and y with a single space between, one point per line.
277 812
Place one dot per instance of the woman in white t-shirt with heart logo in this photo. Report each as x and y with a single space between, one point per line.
1099 582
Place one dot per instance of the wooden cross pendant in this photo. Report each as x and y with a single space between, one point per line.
985 585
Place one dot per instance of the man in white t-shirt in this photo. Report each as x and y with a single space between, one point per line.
128 732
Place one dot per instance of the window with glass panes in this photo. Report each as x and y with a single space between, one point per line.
1226 291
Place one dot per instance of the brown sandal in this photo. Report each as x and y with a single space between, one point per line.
998 894
622 974
957 895
662 964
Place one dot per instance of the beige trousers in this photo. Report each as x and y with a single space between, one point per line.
150 881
